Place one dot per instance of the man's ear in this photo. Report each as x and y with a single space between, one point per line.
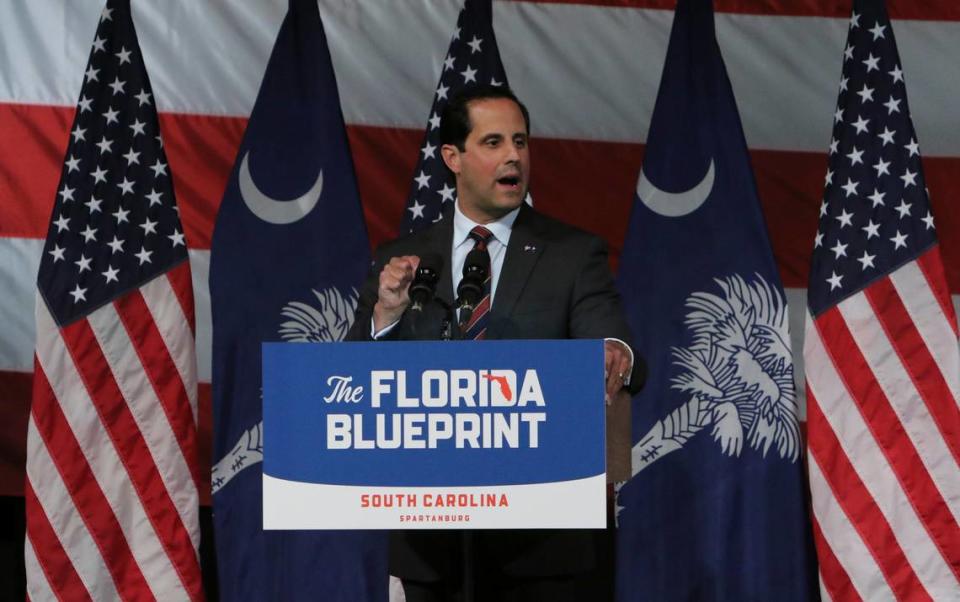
451 156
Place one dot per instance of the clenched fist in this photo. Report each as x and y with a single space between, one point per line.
392 292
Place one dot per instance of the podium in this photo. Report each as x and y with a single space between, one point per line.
436 435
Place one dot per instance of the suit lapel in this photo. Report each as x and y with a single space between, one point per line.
441 241
523 251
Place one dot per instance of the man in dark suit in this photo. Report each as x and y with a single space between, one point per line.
548 280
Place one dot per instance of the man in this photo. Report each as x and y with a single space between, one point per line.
547 281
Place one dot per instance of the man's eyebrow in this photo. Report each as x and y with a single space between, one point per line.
492 135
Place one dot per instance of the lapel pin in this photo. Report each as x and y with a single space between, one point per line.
529 248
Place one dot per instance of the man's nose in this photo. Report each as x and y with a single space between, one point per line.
513 153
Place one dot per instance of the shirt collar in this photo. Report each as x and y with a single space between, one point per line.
462 225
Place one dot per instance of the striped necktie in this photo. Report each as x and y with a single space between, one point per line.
476 325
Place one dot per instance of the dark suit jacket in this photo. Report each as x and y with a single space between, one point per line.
555 284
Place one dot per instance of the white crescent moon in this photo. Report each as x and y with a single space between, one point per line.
272 210
675 204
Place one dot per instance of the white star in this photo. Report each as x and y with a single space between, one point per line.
149 227
865 94
62 223
132 157
886 136
903 208
91 74
855 156
428 151
900 240
126 187
159 141
79 294
104 145
866 260
73 164
448 62
845 219
913 147
861 124
446 192
116 245
98 44
111 115
143 97
896 74
871 229
78 133
843 83
154 197
877 31
848 53
494 82
57 253
85 104
469 74
423 180
850 187
416 209
839 250
434 121
93 205
67 193
111 274
107 14
893 105
99 175
89 234
442 91
159 169
117 86
909 178
143 255
834 145
123 55
177 239
456 34
877 197
83 263
928 220
838 116
823 207
854 21
871 62
818 240
137 127
834 280
828 179
474 44
881 167
121 215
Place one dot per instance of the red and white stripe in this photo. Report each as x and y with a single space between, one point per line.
112 467
588 70
883 426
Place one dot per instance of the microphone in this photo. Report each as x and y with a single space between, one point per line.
471 288
424 284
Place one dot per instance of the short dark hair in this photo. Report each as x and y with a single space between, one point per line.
455 123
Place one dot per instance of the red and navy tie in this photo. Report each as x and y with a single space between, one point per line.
476 325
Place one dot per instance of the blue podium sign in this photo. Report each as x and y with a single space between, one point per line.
433 435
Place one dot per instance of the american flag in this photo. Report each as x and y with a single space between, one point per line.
112 470
883 369
472 59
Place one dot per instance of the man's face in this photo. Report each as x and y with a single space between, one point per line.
493 170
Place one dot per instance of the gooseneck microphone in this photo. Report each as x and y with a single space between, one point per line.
424 285
471 289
